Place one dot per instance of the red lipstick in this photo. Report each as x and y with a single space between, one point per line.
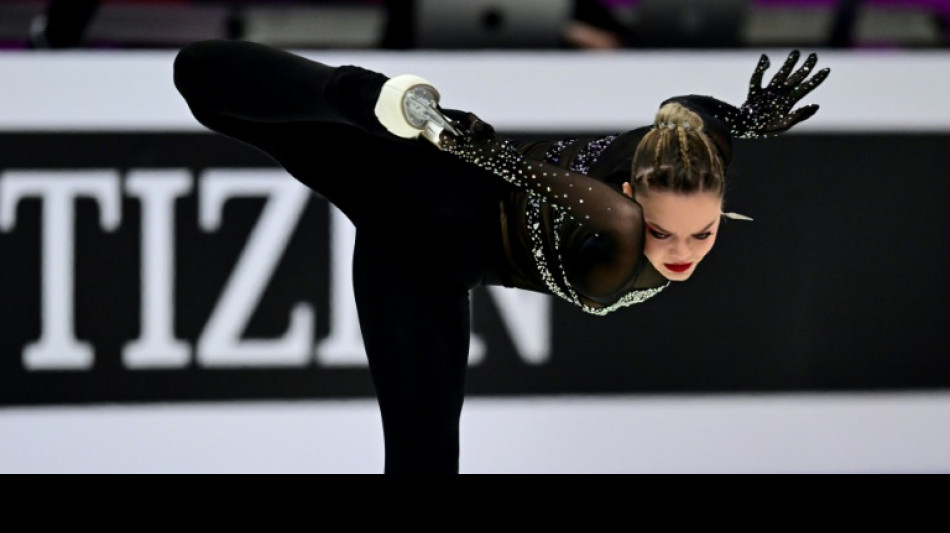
678 267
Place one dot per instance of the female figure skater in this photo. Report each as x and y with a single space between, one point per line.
441 204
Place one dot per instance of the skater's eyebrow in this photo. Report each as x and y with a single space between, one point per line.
660 228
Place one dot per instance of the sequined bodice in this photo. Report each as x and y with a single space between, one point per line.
568 220
553 272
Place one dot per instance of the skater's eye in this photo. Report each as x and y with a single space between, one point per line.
658 235
703 236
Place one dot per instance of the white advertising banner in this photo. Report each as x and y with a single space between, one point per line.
519 91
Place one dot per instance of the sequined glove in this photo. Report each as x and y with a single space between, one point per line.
477 143
768 111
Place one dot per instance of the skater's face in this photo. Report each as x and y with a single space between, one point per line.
680 229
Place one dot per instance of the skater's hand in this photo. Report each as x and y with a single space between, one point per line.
769 110
478 129
474 131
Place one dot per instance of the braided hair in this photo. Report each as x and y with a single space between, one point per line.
678 155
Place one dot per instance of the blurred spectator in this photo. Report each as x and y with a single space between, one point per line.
400 30
842 30
63 24
593 26
872 23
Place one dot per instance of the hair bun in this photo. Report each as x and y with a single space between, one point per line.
674 115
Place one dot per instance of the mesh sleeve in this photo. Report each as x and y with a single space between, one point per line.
606 221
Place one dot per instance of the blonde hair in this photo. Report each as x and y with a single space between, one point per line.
678 156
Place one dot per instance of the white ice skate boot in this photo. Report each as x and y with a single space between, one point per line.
408 107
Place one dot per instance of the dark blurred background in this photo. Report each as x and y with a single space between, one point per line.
473 24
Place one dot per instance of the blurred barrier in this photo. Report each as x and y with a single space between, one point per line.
868 91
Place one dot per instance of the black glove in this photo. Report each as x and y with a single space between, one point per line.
473 130
767 111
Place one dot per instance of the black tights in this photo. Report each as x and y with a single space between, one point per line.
426 224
